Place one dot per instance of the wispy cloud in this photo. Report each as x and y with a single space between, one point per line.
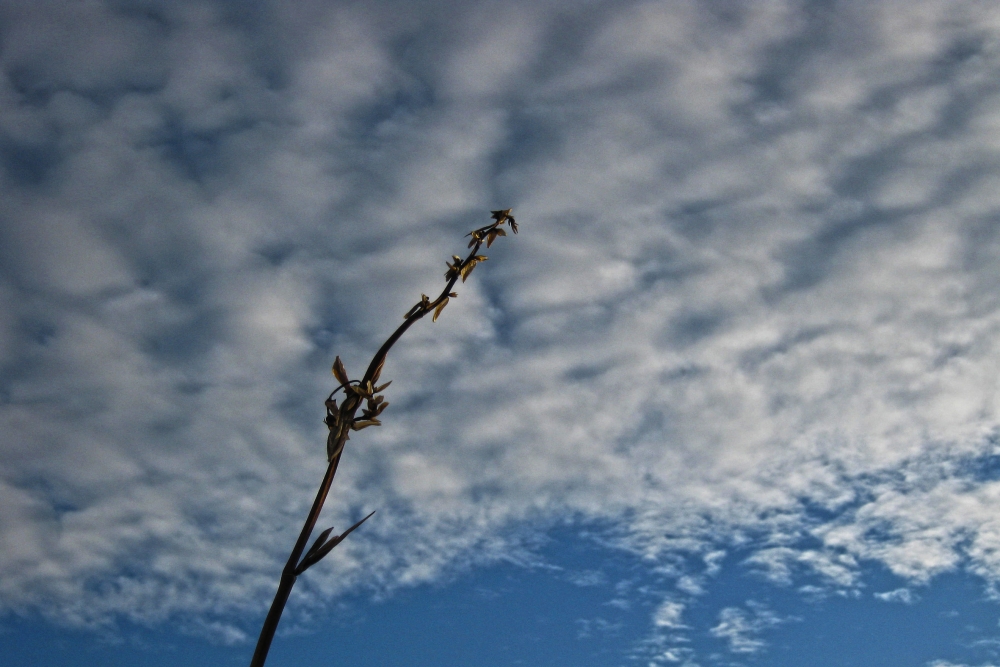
753 303
741 628
668 615
904 595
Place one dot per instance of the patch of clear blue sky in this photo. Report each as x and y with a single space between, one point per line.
559 615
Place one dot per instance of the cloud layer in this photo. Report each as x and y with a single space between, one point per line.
753 303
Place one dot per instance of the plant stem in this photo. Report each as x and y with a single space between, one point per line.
288 575
348 409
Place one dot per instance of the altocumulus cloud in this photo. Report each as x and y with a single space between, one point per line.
754 301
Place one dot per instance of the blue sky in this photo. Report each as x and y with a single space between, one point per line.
730 398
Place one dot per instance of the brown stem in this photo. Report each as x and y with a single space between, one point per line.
288 573
349 409
398 333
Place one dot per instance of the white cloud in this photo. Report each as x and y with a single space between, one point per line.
668 615
753 302
741 627
904 595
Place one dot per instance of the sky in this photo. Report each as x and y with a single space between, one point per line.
729 398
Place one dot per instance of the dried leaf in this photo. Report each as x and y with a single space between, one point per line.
328 547
351 529
333 449
380 389
339 372
319 542
513 225
378 370
467 268
440 307
365 423
321 547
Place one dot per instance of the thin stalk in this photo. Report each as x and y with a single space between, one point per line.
341 421
288 575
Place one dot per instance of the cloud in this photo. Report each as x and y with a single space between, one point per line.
753 304
668 615
741 627
904 595
596 626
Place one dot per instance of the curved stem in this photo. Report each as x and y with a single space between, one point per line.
348 410
398 333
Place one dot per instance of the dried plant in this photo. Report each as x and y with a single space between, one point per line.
342 419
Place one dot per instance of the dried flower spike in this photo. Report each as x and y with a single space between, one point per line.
340 421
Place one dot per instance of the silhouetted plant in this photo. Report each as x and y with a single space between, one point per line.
341 420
